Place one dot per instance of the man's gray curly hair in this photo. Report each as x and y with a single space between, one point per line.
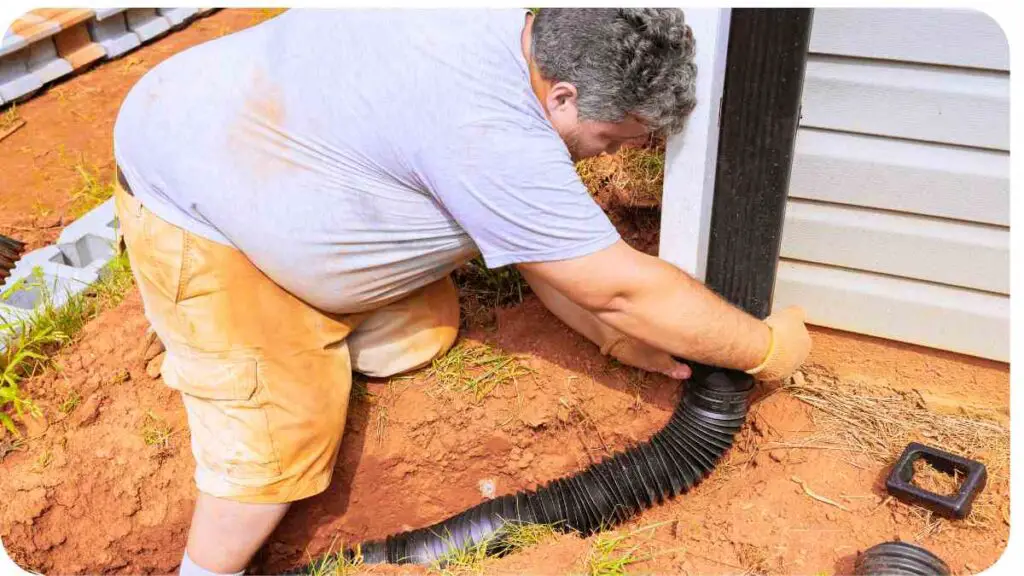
622 61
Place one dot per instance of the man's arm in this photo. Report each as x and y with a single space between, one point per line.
610 341
657 303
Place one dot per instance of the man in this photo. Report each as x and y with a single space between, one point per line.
294 197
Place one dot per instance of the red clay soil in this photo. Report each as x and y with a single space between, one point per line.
86 493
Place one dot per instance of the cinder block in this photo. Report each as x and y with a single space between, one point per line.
112 33
45 63
101 221
16 80
178 16
76 46
146 23
44 288
89 253
105 13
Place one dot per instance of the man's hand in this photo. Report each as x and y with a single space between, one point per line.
639 355
791 343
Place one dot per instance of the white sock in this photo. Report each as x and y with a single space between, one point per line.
190 568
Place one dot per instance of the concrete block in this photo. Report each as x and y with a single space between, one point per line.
177 16
45 63
112 33
76 46
146 23
101 221
88 255
16 80
44 288
105 13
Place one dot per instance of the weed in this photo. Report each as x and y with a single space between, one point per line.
635 174
360 391
482 290
511 538
155 431
612 552
335 563
519 536
129 63
22 356
41 209
9 118
476 369
71 402
10 444
381 419
43 460
91 192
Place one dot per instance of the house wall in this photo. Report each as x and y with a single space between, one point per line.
897 223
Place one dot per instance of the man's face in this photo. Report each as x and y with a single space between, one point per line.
588 138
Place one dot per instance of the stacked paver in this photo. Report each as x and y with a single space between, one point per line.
51 43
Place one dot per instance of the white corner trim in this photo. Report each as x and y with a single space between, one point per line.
691 156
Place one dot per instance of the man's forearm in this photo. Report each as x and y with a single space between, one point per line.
668 308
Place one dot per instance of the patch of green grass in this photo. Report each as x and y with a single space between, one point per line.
482 290
476 369
510 539
335 563
635 174
156 431
71 402
612 552
92 190
10 444
43 460
519 536
9 118
30 342
360 391
496 287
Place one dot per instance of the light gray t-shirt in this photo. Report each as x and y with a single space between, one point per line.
354 156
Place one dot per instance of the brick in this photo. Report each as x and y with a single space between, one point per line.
146 23
76 46
111 32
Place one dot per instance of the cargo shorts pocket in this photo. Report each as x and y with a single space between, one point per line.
227 417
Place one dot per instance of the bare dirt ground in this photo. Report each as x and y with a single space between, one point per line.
104 484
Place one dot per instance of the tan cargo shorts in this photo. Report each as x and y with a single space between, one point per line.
264 377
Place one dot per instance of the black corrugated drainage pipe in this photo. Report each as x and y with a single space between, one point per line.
701 429
899 559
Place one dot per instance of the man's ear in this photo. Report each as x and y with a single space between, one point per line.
560 96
